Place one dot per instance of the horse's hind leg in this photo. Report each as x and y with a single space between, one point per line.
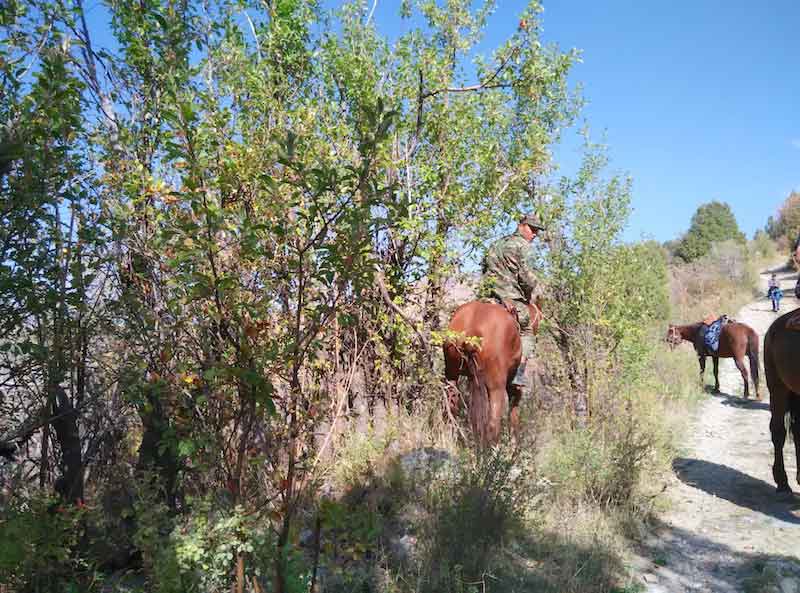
777 428
794 409
514 397
745 377
498 406
779 396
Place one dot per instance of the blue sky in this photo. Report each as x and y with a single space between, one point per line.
698 100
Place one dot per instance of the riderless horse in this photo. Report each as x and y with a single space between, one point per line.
736 341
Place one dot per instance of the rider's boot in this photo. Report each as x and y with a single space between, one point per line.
521 379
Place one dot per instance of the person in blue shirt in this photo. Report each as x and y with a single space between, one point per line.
774 293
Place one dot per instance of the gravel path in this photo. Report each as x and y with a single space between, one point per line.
727 529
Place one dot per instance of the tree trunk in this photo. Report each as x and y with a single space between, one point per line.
69 484
154 456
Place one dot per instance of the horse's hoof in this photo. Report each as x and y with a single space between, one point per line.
783 489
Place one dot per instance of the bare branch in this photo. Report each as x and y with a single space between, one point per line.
486 84
371 12
255 37
379 278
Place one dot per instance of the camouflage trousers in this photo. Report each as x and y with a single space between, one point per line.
525 327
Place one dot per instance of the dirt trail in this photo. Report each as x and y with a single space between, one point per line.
727 529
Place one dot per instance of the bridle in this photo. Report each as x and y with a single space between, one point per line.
674 337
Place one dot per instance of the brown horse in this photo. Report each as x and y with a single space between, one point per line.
489 363
735 341
782 368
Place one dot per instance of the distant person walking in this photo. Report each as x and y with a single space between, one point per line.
774 293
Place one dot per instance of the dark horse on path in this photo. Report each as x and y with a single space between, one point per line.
735 341
782 369
489 362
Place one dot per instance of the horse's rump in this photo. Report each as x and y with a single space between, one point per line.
782 351
484 345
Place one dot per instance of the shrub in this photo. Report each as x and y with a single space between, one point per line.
762 246
38 539
474 513
596 466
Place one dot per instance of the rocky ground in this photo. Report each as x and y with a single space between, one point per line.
727 529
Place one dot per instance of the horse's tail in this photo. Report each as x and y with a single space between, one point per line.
752 354
479 397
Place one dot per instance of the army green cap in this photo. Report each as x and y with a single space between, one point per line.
532 221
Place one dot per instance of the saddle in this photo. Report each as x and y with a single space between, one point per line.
712 319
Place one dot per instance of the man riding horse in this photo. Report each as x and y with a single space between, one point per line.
510 279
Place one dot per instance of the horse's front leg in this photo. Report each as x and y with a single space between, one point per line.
794 407
702 360
715 360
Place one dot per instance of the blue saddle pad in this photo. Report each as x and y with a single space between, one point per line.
711 339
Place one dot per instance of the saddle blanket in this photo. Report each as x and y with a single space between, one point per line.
711 339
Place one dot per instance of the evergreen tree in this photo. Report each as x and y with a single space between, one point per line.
712 223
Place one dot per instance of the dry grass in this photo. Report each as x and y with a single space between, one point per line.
721 282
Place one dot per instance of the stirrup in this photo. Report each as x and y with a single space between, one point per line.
520 378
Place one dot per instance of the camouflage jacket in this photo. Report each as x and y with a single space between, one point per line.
508 272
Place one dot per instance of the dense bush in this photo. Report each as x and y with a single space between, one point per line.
39 538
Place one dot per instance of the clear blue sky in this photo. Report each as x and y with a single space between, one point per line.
698 100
